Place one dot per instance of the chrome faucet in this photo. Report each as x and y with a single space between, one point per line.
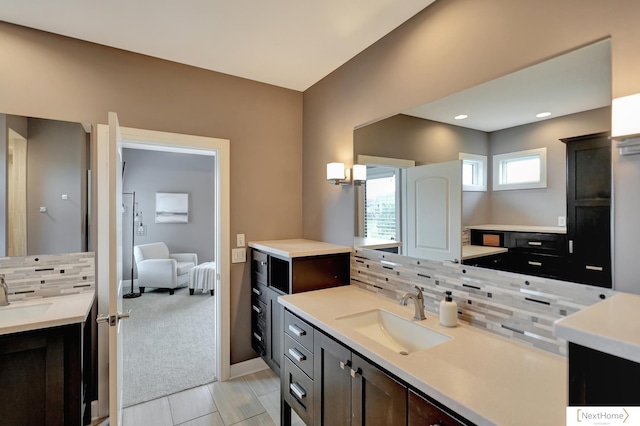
418 303
4 290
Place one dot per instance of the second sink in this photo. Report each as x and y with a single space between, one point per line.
396 333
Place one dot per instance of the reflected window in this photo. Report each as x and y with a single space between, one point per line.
381 203
520 170
474 172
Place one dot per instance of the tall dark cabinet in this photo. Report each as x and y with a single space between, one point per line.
589 208
284 267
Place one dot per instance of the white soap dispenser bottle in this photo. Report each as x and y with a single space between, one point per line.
448 311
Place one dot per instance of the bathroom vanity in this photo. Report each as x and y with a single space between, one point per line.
45 353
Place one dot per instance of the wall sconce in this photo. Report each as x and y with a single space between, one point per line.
625 124
338 175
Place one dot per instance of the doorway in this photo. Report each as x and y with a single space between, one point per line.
219 149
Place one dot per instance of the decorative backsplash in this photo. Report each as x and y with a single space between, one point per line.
519 307
33 277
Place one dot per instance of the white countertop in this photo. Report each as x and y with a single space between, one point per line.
375 243
611 326
483 377
299 247
521 228
472 252
62 310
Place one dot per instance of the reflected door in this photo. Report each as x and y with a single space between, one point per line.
434 211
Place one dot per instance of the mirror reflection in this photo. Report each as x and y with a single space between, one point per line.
512 139
44 193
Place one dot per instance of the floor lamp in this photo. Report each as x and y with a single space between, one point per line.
131 294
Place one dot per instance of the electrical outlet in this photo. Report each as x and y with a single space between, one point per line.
562 221
240 240
238 255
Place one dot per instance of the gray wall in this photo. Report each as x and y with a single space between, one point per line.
56 165
448 47
148 172
541 206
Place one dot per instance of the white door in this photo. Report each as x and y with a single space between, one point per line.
434 211
110 255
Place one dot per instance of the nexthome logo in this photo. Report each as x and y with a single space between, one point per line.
603 416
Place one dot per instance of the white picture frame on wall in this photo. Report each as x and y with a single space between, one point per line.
172 207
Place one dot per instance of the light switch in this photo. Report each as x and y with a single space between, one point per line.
65 196
238 255
562 221
240 240
43 209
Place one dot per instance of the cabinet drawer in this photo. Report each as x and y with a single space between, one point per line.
259 291
298 391
258 310
541 264
259 267
540 242
299 355
299 330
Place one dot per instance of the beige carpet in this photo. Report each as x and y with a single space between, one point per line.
168 343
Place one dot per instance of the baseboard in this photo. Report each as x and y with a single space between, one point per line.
246 367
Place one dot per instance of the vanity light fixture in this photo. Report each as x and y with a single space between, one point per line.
543 114
461 117
625 124
338 175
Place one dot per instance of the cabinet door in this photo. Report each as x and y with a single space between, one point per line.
331 382
377 399
423 412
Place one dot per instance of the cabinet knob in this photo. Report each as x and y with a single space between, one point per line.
355 372
345 364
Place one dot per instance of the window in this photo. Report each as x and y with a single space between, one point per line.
474 172
381 203
520 170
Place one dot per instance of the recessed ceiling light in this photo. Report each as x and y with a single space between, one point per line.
543 114
461 117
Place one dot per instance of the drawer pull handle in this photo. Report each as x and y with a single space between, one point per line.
594 268
535 243
297 355
355 372
297 390
257 337
256 291
297 330
345 364
263 263
532 263
255 308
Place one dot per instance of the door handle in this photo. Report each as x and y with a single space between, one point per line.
113 319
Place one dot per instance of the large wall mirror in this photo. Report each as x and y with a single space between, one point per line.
497 133
44 191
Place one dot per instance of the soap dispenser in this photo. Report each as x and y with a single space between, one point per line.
448 311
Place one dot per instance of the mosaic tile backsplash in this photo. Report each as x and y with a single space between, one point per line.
33 277
518 307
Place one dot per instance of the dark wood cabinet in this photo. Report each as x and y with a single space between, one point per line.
46 376
346 389
423 412
272 276
589 208
600 379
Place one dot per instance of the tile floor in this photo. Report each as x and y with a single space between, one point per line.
252 400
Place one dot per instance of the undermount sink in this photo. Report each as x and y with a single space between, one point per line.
396 333
22 312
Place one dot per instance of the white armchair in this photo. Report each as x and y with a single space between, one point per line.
158 268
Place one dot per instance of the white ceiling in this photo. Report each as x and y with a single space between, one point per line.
577 81
287 43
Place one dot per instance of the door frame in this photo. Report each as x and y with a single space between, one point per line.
220 148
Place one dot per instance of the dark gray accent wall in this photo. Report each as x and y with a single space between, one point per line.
56 166
148 172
